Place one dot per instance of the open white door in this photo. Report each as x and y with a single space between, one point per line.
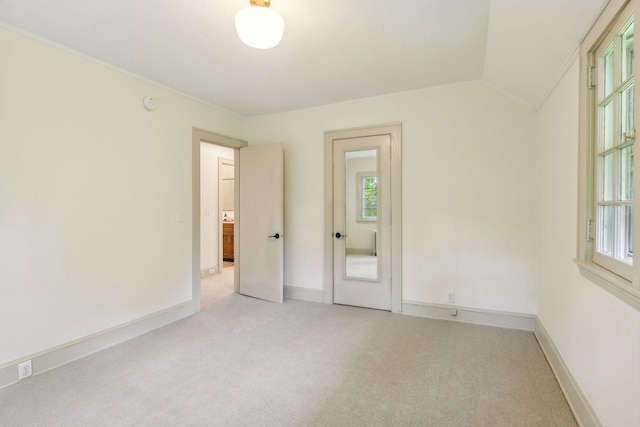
261 244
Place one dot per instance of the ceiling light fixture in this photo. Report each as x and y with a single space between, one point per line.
258 26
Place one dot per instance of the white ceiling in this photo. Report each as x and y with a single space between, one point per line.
332 50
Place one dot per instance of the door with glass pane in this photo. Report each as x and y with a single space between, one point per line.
614 144
361 221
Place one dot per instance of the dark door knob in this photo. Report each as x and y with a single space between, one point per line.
340 236
276 236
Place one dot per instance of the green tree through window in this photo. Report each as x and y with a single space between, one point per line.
369 198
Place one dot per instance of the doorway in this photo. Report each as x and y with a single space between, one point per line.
363 218
216 222
258 217
207 212
226 209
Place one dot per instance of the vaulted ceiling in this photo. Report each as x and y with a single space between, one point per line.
332 50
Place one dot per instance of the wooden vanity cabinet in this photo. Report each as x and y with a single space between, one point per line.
227 242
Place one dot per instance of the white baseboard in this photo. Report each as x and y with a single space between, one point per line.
60 355
500 319
304 294
582 410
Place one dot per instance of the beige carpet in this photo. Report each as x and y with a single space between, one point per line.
245 362
362 266
214 288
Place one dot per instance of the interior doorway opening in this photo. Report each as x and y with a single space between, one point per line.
215 171
217 213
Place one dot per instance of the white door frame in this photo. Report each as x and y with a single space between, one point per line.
395 133
197 136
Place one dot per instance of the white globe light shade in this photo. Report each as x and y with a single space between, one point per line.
259 27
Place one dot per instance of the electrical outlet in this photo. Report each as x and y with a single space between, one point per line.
24 370
212 271
451 297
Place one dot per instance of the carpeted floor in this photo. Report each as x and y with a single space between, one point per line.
217 287
245 362
362 266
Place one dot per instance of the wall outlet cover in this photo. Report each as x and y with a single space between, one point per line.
24 370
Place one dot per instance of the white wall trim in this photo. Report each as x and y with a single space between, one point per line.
582 410
502 319
304 294
615 285
54 357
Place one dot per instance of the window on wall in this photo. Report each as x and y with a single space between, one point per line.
367 197
614 144
607 144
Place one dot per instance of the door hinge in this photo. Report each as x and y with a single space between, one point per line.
589 229
591 77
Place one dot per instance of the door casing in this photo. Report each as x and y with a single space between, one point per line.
394 131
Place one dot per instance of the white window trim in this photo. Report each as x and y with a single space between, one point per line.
626 290
613 284
359 217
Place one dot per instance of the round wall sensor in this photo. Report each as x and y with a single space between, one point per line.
149 103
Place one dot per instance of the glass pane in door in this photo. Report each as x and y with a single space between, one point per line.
361 216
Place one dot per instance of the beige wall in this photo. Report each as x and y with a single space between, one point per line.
90 187
468 180
597 335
